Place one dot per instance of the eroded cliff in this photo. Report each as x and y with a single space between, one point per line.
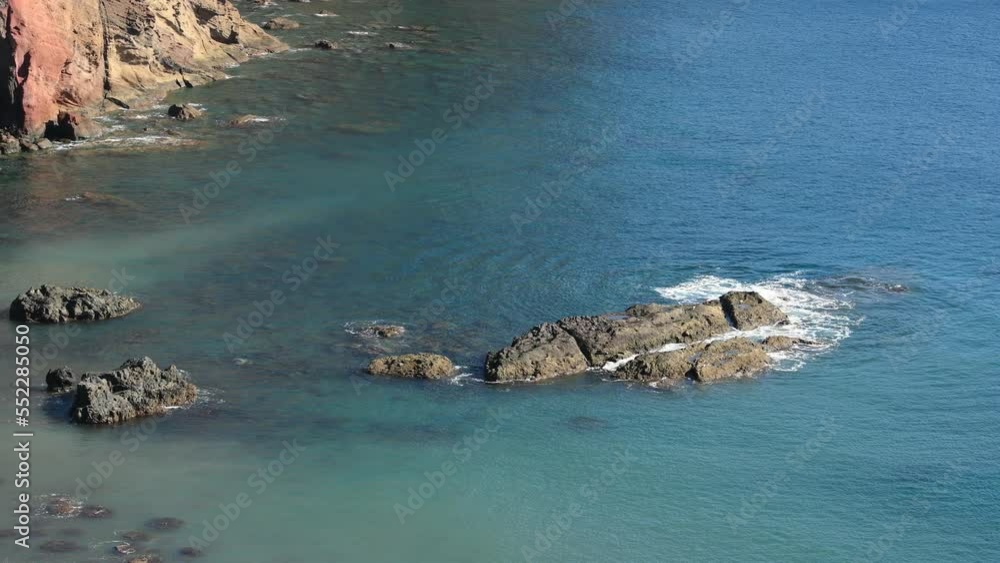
85 56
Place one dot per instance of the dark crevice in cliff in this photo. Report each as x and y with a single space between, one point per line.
12 93
106 32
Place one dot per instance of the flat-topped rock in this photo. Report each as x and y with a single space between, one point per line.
748 310
53 304
544 352
137 388
414 366
644 328
730 359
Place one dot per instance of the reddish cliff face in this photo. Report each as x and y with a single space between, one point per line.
82 55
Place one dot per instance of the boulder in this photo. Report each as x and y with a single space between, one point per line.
71 127
281 23
184 112
326 45
675 365
417 366
52 304
9 144
60 380
747 310
544 352
137 388
382 331
644 328
730 359
781 343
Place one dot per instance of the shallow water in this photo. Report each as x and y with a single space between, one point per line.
843 169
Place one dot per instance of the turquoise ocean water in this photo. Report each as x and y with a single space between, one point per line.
840 158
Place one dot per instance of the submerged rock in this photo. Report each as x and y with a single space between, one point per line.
165 524
184 112
190 552
326 45
749 310
59 546
243 120
417 366
60 380
136 536
546 351
137 388
95 511
124 549
52 304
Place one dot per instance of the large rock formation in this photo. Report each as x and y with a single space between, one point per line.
84 56
545 351
52 304
137 388
573 344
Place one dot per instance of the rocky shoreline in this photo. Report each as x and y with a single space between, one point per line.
67 62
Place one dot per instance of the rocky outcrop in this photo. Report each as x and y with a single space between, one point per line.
748 310
704 362
382 331
60 380
71 127
546 351
414 366
87 56
52 304
281 23
184 112
137 388
573 344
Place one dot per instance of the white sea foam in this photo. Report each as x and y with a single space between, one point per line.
612 366
814 314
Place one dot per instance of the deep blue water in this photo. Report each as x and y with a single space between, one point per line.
827 154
